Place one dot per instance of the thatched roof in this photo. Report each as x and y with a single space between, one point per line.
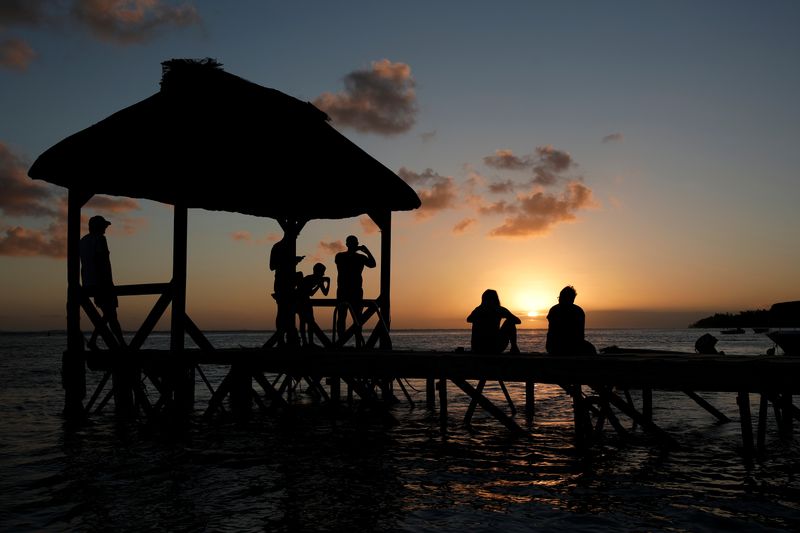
211 140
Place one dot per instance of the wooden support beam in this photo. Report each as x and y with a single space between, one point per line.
646 423
152 319
182 375
430 393
743 399
530 401
707 406
473 403
484 402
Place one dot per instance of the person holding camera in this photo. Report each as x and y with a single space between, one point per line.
350 292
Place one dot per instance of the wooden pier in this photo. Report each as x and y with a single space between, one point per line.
598 385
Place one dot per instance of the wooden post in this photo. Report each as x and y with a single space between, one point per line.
529 401
647 404
743 399
242 385
73 365
336 389
761 435
182 373
442 386
786 428
386 271
430 393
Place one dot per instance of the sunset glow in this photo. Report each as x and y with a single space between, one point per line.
635 151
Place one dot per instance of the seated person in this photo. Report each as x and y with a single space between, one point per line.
488 334
566 321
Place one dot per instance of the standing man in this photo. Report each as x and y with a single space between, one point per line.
565 332
350 292
283 263
96 274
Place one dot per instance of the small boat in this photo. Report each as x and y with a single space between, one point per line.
734 331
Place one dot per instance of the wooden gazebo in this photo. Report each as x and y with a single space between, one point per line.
211 140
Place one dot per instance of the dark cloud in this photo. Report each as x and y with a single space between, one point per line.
549 164
502 187
15 54
380 100
538 211
613 137
494 208
506 160
118 21
131 21
24 12
440 194
21 195
368 225
21 242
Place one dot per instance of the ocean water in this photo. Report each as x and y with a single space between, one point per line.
315 469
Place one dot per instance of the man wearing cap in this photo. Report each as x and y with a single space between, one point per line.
96 274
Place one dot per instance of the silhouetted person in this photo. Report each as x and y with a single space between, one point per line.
707 345
96 274
306 288
565 334
283 263
493 326
349 284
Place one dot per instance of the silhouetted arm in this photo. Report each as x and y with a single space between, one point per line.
369 262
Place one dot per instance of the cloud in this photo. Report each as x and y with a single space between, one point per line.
464 225
131 21
21 242
15 54
546 162
23 12
503 159
538 211
118 21
441 194
241 235
331 248
501 187
368 225
107 204
613 137
549 163
379 100
21 195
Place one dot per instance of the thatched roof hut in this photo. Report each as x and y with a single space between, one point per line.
209 139
212 140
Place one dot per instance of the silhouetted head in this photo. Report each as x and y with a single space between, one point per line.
351 242
98 224
319 269
567 294
490 297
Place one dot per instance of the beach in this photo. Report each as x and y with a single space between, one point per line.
310 469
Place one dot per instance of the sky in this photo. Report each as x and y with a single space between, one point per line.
644 152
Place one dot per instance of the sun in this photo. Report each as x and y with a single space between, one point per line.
533 305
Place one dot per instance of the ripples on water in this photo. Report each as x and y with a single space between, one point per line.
312 469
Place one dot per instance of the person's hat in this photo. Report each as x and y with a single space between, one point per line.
99 222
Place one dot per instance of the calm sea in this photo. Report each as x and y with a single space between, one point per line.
310 469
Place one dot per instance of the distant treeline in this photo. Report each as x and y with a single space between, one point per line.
743 319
